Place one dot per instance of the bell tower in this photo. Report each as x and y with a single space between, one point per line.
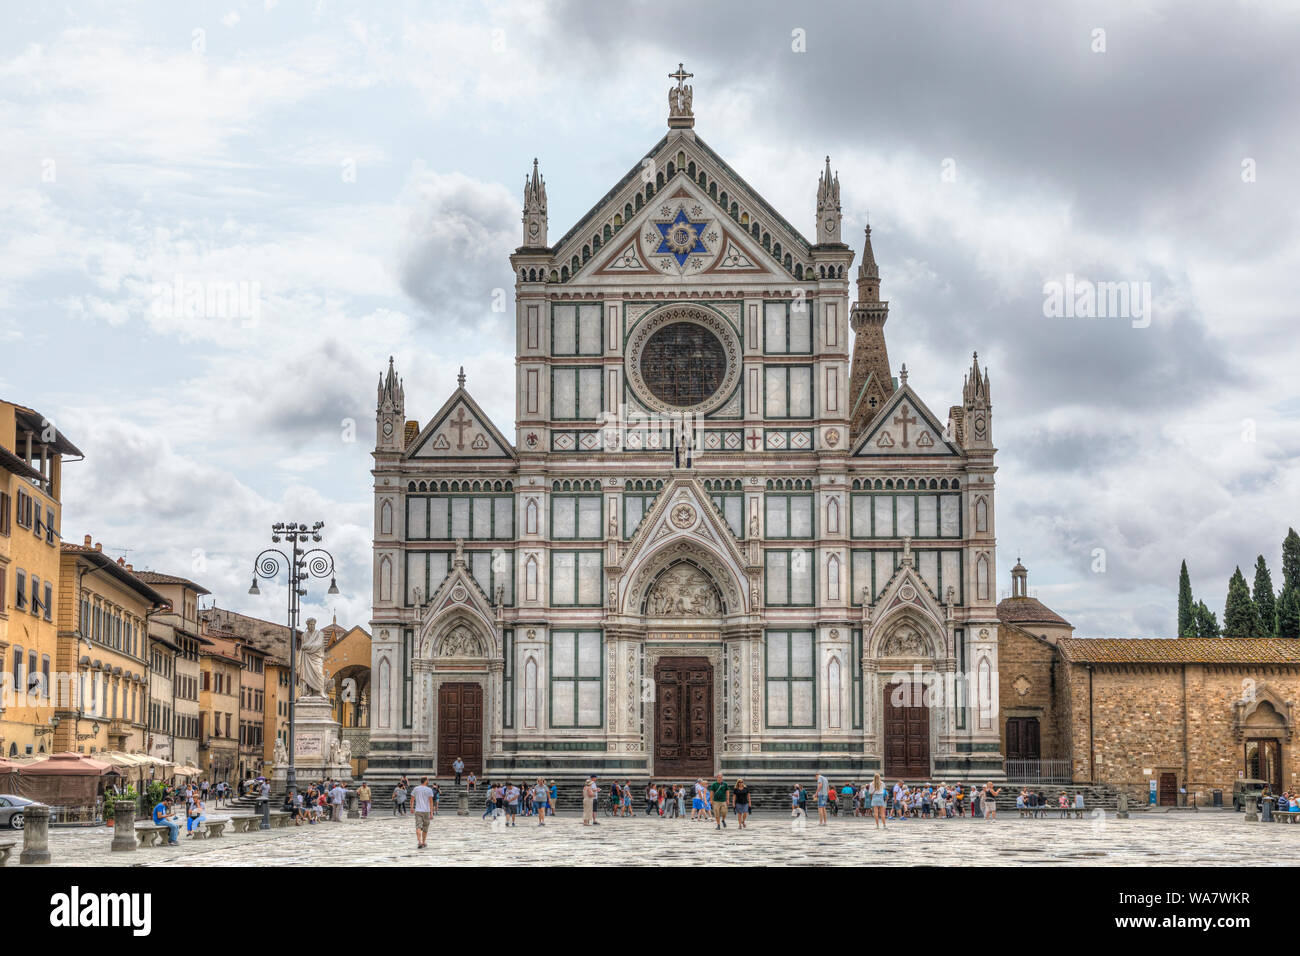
870 381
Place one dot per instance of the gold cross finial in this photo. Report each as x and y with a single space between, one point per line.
681 76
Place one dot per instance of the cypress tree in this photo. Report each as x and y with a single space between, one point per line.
1288 602
1265 599
1186 613
1207 625
1239 616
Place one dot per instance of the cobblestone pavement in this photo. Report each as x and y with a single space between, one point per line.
1213 838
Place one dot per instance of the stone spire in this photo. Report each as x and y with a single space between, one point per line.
392 396
977 407
534 210
390 431
828 207
870 381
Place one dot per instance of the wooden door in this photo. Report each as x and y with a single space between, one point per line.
1023 739
1167 795
907 732
684 717
1264 762
460 727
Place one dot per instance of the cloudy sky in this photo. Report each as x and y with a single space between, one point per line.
357 167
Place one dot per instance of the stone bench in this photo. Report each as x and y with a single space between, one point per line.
149 834
246 823
1286 816
6 847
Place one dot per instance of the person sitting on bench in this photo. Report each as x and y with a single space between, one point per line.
162 817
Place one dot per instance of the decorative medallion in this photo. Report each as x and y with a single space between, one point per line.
681 237
1022 685
907 592
683 359
458 593
683 516
832 437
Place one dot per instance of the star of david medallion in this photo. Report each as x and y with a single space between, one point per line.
680 238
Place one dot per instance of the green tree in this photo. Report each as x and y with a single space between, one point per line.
1239 616
1288 602
1207 625
1265 599
1186 612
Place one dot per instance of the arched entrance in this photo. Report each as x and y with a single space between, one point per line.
906 647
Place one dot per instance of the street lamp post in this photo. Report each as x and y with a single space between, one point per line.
302 564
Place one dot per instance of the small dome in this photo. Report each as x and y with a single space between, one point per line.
1027 610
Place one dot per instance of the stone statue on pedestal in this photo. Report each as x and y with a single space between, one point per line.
311 661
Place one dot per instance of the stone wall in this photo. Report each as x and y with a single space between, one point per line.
1026 687
1181 719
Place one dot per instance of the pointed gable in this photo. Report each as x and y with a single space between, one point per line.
460 430
682 234
905 426
680 212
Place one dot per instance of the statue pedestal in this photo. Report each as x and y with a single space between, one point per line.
316 735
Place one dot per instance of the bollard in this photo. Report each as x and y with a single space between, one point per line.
354 810
1252 811
1121 804
124 826
1266 805
462 804
36 834
265 805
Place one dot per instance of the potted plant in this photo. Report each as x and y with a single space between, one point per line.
127 794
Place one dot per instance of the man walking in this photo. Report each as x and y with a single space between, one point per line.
823 792
459 766
718 791
337 796
422 799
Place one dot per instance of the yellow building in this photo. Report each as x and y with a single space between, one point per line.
220 661
276 717
103 652
347 677
252 711
31 460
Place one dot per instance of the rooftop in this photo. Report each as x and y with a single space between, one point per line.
1179 650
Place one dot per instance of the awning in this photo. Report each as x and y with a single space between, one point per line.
69 765
187 771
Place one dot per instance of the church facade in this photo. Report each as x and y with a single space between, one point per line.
722 534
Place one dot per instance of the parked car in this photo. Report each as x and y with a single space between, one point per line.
1244 791
11 810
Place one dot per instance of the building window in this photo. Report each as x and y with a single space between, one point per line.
790 578
49 525
576 679
732 508
427 570
407 677
576 517
471 517
791 679
787 391
508 679
789 516
787 328
856 671
576 393
49 601
20 589
6 513
575 330
913 516
575 578
635 508
36 596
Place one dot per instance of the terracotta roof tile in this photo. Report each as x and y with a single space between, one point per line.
1183 650
1027 610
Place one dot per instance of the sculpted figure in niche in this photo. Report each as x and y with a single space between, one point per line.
683 592
904 642
461 643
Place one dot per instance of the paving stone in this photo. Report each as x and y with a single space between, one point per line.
1211 838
